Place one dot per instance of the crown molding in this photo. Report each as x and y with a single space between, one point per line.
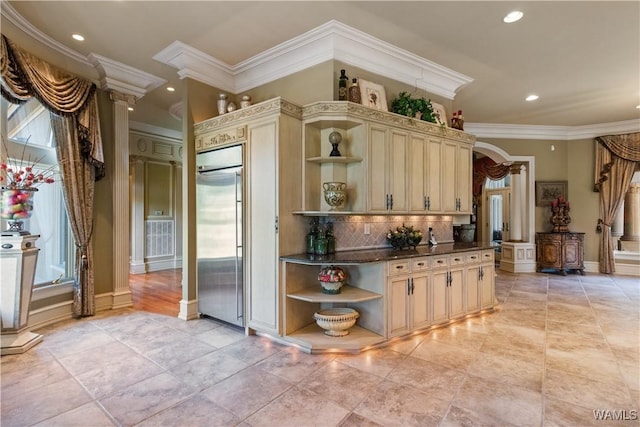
144 128
123 78
556 133
112 75
330 41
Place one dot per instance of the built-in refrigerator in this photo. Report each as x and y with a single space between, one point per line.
219 207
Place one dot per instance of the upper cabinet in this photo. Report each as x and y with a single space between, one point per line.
391 164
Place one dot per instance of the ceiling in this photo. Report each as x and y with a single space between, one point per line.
581 58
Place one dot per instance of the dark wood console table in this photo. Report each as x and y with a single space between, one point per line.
560 251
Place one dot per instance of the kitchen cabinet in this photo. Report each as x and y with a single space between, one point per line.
447 296
271 133
408 290
560 251
456 169
479 280
388 178
392 164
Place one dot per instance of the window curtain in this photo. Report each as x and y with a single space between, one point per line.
485 167
73 109
617 157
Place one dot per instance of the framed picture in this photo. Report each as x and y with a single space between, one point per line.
547 191
373 95
440 113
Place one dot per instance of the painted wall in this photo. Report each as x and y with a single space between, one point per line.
571 161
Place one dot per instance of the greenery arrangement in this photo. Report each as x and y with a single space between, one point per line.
419 108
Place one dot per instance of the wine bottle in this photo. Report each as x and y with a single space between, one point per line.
460 120
342 86
454 121
354 92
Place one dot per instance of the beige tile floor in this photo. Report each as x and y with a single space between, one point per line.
557 349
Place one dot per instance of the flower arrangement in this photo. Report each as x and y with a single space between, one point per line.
19 180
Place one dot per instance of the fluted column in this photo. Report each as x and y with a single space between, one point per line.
137 216
120 179
515 232
630 240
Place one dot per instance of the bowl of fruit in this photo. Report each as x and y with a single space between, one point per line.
404 237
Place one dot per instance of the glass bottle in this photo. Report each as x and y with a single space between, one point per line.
342 86
312 236
331 239
460 120
454 121
321 243
354 92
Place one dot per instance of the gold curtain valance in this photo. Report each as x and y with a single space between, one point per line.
626 147
25 75
485 167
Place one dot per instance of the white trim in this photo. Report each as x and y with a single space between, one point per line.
188 310
555 133
627 256
44 292
165 264
330 41
123 78
144 128
50 314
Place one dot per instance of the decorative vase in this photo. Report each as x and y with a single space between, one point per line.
222 103
245 101
334 139
332 279
16 205
335 194
336 321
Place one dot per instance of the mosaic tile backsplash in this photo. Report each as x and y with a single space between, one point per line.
349 230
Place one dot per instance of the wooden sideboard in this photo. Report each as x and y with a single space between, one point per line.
560 251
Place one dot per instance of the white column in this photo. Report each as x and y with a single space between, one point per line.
630 240
120 179
137 216
515 231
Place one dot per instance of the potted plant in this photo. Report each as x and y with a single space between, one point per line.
419 108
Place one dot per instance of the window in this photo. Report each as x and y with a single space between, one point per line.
30 137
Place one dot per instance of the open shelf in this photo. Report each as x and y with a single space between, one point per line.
311 338
347 294
335 159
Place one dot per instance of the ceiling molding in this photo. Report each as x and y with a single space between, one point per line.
123 78
556 133
174 135
16 19
330 41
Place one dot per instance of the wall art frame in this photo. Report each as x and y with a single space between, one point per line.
547 191
373 95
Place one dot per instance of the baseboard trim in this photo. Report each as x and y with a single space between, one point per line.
50 314
188 310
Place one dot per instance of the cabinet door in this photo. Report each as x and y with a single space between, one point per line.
473 283
420 301
572 252
398 305
488 285
262 201
418 178
448 172
439 285
378 191
456 293
398 174
464 169
434 175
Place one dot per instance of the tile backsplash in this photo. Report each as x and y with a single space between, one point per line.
349 230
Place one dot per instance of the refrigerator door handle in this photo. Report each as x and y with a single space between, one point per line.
238 187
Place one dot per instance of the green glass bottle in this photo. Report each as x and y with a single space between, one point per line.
331 239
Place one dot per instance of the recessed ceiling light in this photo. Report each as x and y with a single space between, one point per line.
531 98
170 89
513 16
638 107
78 37
130 108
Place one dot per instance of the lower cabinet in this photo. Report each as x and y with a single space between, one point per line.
408 290
479 280
447 295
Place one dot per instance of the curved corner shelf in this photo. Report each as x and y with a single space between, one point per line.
341 159
347 294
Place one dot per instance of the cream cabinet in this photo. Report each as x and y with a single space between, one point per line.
391 164
408 290
447 293
456 168
387 172
273 160
479 280
488 279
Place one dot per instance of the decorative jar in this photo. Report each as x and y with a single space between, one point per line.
332 279
335 194
16 205
336 321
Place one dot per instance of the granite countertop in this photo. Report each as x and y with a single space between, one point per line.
382 254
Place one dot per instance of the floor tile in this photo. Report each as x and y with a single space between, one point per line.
82 416
194 411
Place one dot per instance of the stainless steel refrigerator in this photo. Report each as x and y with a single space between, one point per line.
219 207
